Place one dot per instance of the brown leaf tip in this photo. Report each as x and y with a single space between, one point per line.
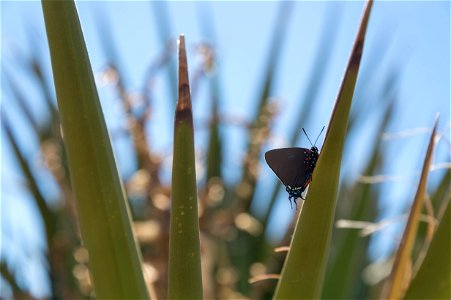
358 46
184 98
183 109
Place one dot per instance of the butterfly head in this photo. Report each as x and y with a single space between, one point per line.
314 149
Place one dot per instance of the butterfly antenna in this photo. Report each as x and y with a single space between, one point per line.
318 136
307 136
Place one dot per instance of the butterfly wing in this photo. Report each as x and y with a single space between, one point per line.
289 165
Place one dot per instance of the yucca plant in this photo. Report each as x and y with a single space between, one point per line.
138 237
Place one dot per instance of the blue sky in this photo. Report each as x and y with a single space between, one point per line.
408 36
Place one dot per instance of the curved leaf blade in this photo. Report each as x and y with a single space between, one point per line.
433 279
104 216
304 268
185 278
395 285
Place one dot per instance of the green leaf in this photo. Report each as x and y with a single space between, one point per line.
214 152
433 278
304 268
344 273
395 285
26 110
104 215
185 278
47 217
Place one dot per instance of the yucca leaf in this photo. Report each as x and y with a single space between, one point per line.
343 279
24 107
36 68
214 152
185 278
304 268
439 198
104 216
48 217
433 278
395 285
442 192
46 214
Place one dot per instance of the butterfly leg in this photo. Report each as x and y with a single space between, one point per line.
295 203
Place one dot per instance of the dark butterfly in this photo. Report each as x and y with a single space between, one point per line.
294 167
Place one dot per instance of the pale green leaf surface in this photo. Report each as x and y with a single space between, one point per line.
433 280
345 266
185 277
395 285
105 221
304 268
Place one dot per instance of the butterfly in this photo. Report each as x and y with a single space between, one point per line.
294 167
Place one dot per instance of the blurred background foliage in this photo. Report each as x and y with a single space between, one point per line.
241 221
